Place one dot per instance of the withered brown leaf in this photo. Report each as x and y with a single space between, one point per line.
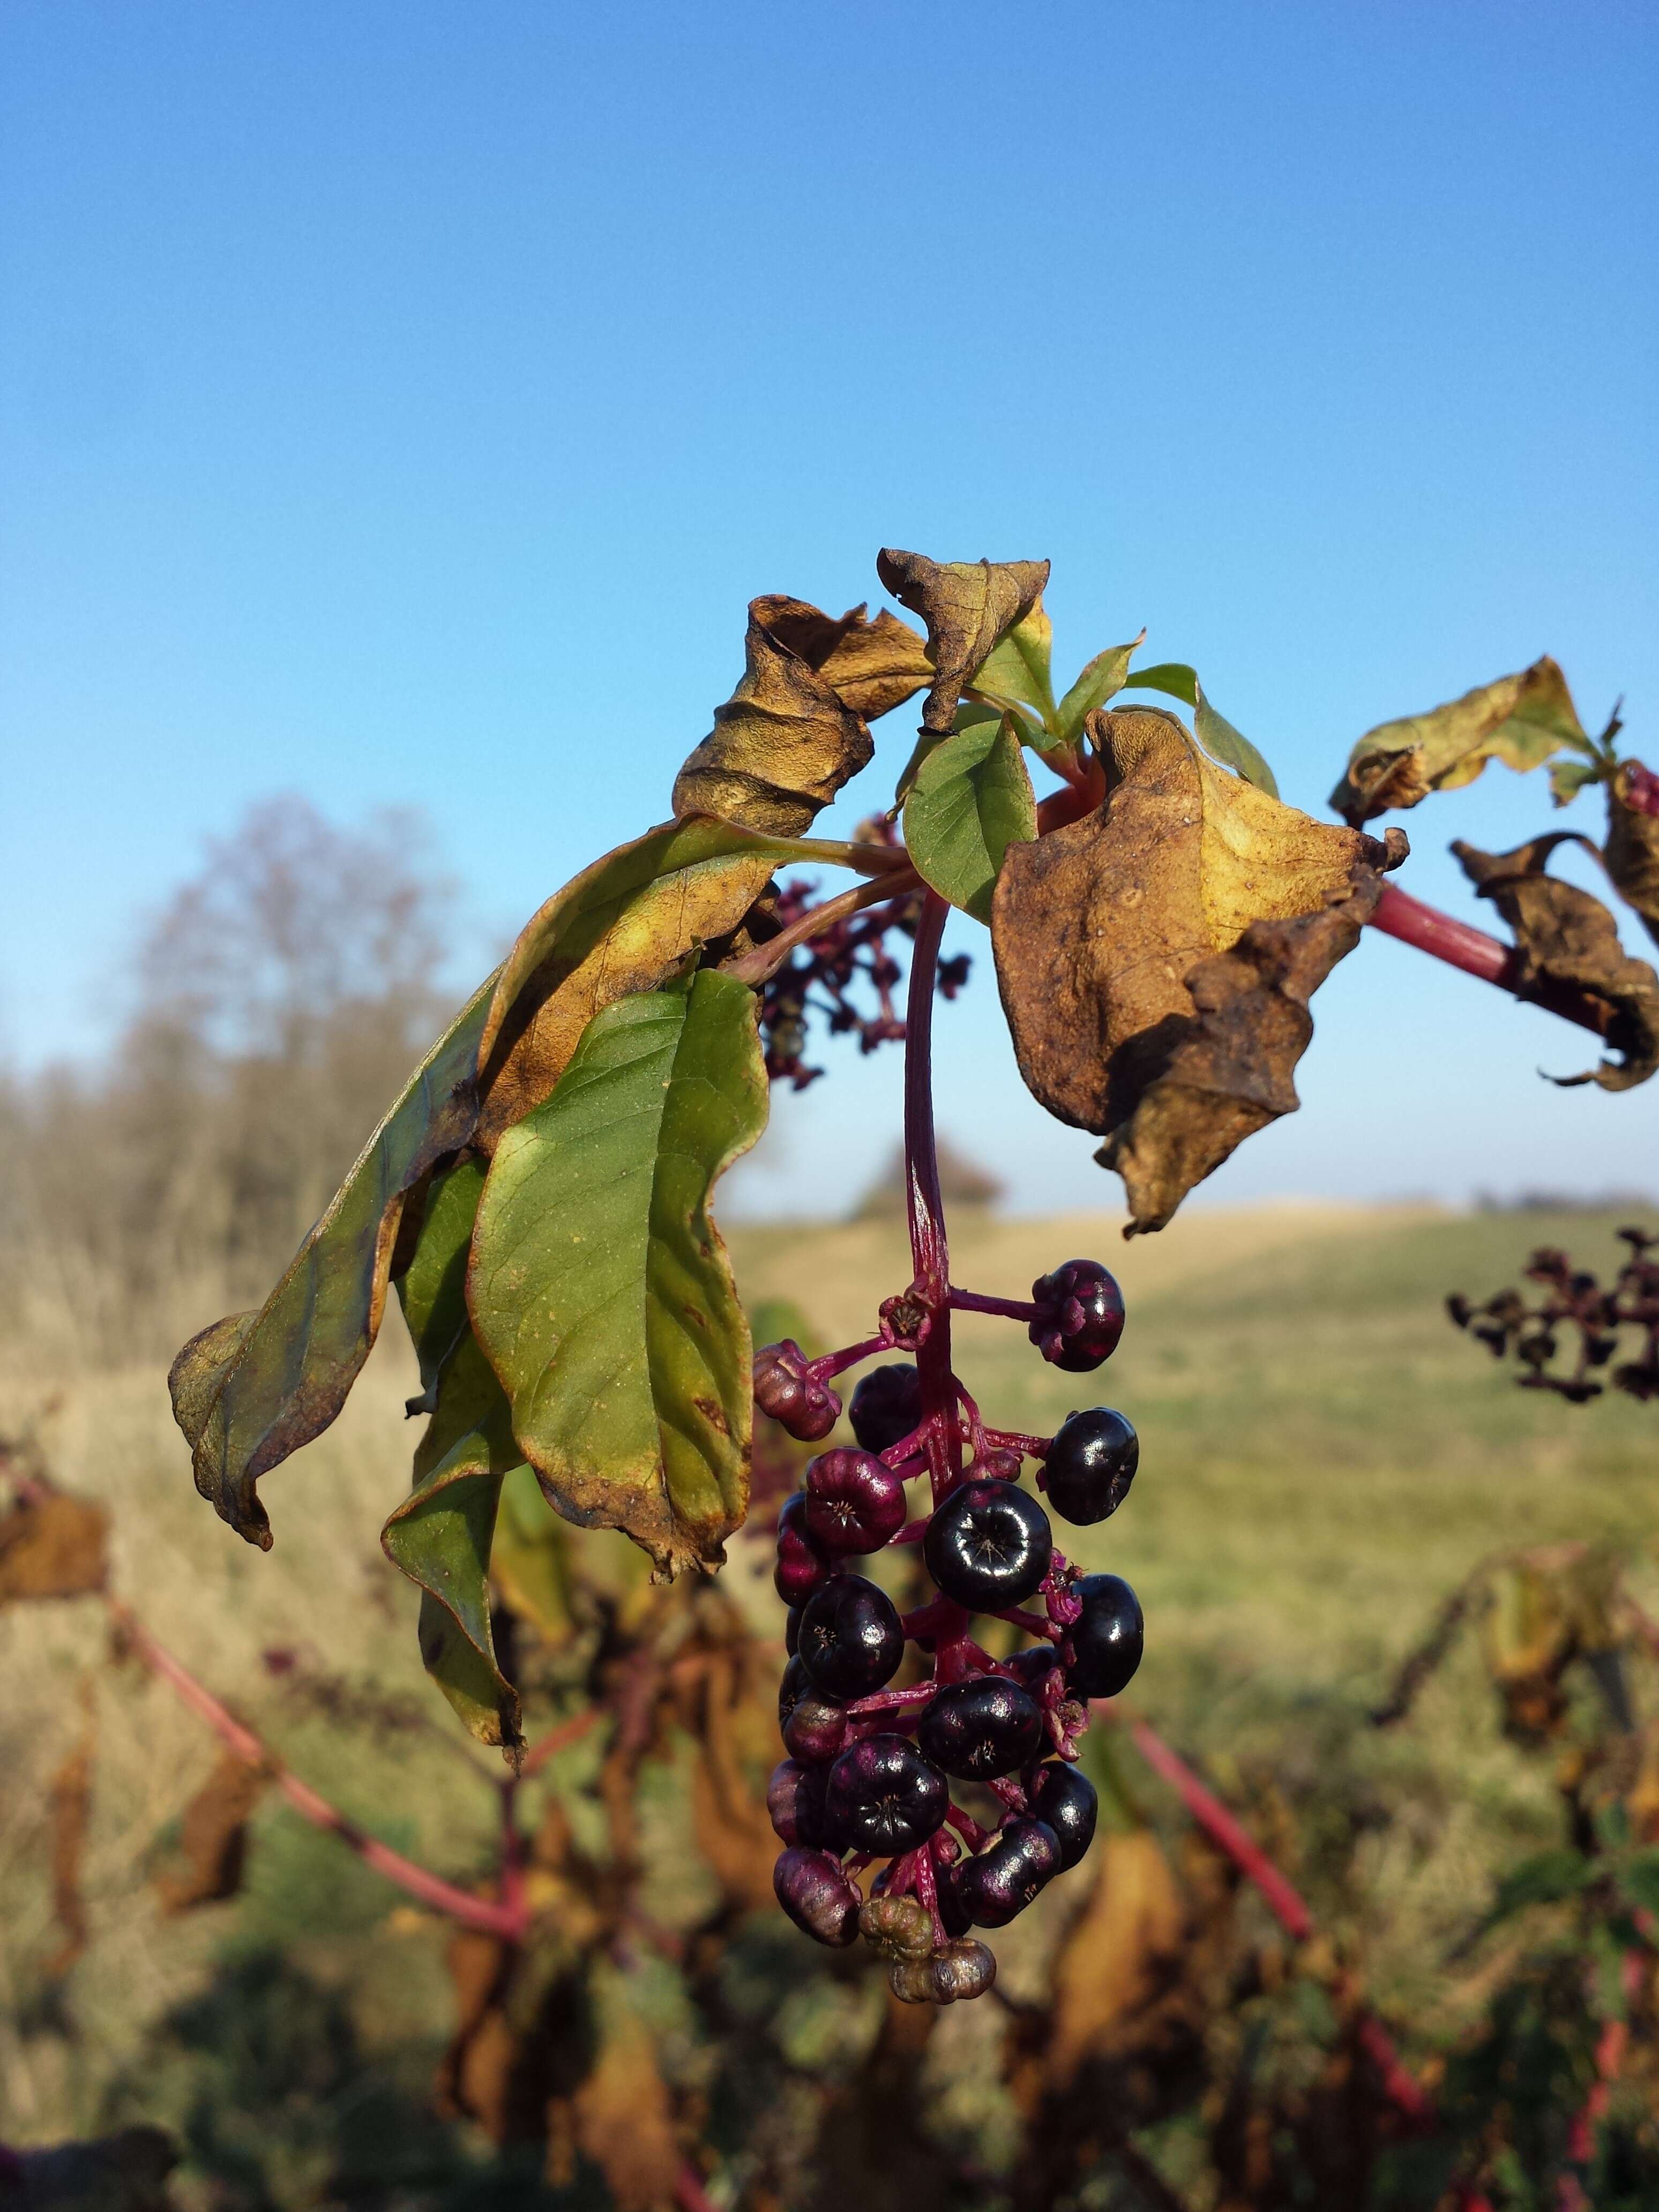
1521 719
968 606
790 736
732 1718
1632 852
1155 958
1564 935
71 1817
52 1545
213 1841
624 2121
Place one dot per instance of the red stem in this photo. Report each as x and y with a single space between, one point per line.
1283 1900
508 1919
1461 946
556 1739
977 1302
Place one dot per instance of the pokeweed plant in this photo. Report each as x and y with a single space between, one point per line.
539 1196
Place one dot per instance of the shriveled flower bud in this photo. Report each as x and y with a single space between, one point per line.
787 1388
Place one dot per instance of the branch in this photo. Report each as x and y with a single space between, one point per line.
1461 946
760 963
506 1921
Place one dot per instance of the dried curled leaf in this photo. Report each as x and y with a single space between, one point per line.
52 1545
1566 936
1632 853
968 607
793 731
1521 719
212 1842
1155 958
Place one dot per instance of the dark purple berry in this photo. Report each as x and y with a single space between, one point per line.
802 1567
817 1895
1083 1318
853 1503
1031 1668
1064 1799
816 1728
787 1388
997 1885
796 1684
886 1406
794 1799
1106 1639
792 1630
988 1546
1091 1464
884 1797
850 1639
983 1727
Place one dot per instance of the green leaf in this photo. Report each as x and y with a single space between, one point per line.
1015 673
530 1559
600 1286
1569 777
1547 1878
1215 732
441 1536
1104 676
253 1388
972 799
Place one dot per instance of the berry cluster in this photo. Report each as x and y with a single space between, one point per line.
822 973
871 1766
1574 1302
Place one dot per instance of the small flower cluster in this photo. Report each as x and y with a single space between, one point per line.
1574 1300
868 1779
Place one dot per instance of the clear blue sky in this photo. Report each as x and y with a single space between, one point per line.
401 402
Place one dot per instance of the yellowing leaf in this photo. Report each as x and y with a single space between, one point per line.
1016 674
1155 958
599 1287
1105 675
968 607
1521 721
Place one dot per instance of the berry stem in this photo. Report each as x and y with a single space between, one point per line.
1413 922
1027 1447
929 1252
1034 1624
967 1827
758 966
833 1363
890 1701
979 1302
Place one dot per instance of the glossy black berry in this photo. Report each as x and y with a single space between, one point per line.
1031 1668
1082 1318
816 1893
1091 1464
1107 1640
787 1388
853 1503
850 1639
988 1546
795 1801
816 1730
792 1630
803 1566
796 1684
984 1725
1064 1799
886 1406
884 1796
1002 1880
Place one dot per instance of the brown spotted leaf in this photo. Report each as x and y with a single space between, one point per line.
52 1545
786 739
1523 720
1632 852
1155 958
968 607
213 1840
1566 936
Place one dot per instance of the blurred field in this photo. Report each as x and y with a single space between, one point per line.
1323 1458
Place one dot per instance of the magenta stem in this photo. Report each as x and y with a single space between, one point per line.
1461 946
1034 1624
833 1362
1011 1440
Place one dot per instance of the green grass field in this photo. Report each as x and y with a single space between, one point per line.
1323 1456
